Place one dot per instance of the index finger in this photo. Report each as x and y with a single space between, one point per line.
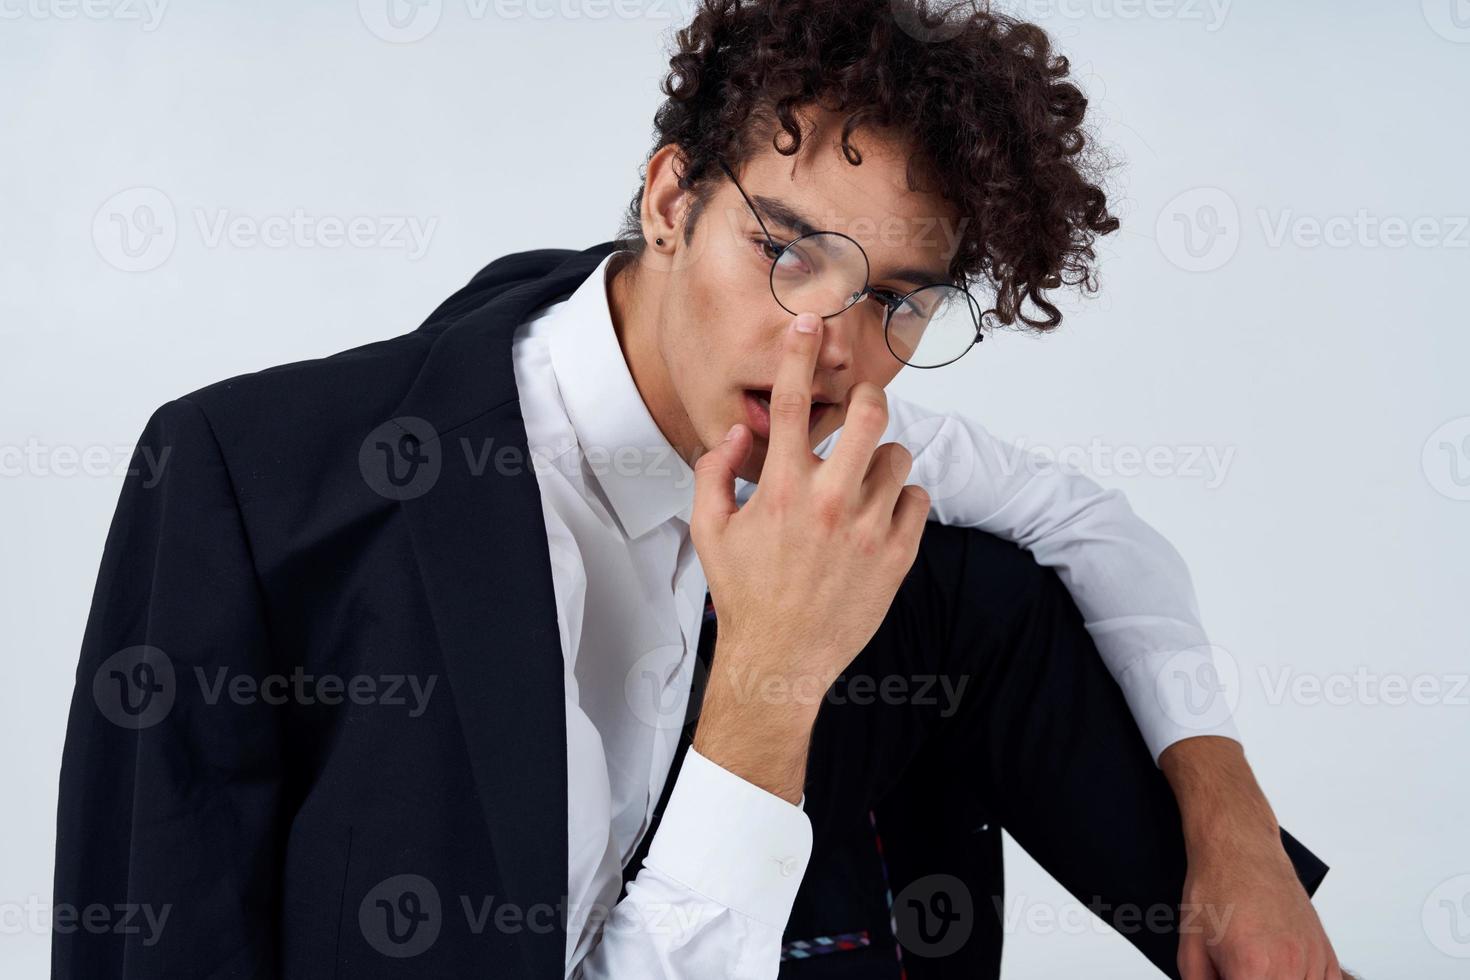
791 393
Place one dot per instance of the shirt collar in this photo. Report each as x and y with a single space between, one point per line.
644 479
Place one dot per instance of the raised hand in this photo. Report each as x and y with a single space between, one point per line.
804 573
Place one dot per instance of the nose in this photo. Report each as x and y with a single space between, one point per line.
841 332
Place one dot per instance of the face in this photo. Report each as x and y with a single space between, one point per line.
700 329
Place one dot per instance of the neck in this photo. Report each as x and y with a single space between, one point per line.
636 313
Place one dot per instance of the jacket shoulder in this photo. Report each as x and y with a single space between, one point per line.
293 431
316 394
296 429
363 382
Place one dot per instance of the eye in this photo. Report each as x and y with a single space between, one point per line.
887 296
763 245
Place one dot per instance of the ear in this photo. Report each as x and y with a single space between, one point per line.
665 203
668 210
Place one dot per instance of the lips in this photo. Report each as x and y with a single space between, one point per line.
758 411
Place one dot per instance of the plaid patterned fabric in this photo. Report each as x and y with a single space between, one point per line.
800 949
887 894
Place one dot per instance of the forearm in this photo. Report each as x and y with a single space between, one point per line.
758 727
1240 873
1220 803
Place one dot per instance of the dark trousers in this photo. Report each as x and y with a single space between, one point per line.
981 704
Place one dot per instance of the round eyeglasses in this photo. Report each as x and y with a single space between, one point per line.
826 272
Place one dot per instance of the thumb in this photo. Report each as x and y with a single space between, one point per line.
714 478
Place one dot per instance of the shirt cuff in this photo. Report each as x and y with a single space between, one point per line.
1181 694
733 842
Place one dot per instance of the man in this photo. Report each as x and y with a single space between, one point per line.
380 661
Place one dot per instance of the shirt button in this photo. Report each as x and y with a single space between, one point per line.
789 866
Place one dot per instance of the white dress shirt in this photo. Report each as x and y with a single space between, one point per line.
720 877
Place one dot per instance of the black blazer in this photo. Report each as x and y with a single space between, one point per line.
371 517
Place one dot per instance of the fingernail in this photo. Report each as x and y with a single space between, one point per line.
731 434
808 323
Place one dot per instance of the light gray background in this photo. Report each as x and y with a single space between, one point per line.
1326 374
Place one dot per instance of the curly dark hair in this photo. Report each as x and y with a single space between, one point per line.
982 99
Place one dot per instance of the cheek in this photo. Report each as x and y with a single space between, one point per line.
700 369
878 365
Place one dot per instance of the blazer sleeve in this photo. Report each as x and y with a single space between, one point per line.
168 843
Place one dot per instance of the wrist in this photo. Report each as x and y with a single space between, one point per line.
1221 806
764 689
756 724
772 758
1233 838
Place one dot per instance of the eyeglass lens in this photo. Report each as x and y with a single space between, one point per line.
827 272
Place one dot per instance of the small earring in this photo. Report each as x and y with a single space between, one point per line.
659 241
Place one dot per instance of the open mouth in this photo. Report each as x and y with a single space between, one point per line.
758 411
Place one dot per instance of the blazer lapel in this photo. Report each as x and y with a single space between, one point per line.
480 538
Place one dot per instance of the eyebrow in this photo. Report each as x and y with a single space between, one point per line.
790 218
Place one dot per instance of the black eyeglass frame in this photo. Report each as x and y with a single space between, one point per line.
889 306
